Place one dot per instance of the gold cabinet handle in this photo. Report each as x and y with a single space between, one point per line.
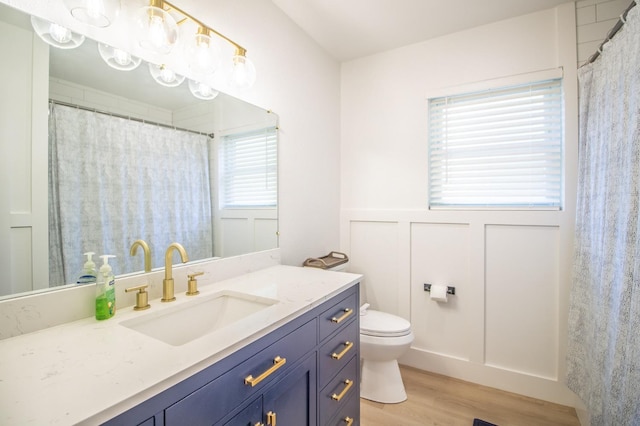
347 346
271 418
338 397
259 424
277 363
348 420
347 312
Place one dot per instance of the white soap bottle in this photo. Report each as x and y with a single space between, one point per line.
89 270
105 290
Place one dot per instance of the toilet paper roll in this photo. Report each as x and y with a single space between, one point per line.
439 293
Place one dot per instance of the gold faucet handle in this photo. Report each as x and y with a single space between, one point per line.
192 284
142 297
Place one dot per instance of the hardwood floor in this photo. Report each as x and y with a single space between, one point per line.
439 400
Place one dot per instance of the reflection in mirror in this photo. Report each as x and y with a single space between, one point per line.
127 159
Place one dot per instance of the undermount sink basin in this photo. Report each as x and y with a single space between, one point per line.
181 324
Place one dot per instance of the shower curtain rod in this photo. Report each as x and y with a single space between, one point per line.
127 117
613 32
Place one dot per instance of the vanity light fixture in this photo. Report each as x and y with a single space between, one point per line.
202 91
165 76
56 35
117 58
157 30
243 73
201 51
99 13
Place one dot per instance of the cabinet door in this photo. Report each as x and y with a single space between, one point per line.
292 401
249 416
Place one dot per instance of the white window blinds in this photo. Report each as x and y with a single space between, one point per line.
249 169
497 148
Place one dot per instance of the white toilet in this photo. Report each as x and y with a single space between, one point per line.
383 339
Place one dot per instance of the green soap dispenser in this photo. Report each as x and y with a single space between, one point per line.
89 270
105 290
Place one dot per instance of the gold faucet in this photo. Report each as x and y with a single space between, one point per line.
167 283
147 253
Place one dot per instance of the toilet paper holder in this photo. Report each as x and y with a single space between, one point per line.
450 290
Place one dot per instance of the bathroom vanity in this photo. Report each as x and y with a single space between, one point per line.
294 360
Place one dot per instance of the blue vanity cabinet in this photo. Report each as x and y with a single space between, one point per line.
290 401
254 386
339 363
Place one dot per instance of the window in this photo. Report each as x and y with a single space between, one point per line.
248 169
497 148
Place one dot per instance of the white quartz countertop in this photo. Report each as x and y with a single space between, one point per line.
88 371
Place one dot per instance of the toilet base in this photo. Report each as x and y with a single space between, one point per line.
381 382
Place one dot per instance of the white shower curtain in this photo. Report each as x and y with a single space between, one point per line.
603 360
113 181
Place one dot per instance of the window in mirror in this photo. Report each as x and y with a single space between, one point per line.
248 169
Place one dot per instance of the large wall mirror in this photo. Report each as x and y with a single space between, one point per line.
93 159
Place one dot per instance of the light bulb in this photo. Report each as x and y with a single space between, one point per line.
202 91
243 74
165 76
117 58
99 13
203 55
59 33
157 30
56 35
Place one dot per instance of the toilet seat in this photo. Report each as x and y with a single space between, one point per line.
382 324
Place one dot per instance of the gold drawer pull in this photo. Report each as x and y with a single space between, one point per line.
271 418
347 312
348 346
277 363
348 384
348 420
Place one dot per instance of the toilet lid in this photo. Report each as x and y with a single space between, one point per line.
382 324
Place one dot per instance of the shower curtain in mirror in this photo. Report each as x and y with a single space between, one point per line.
113 181
603 360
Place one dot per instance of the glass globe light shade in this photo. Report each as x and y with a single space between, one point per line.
56 35
243 74
157 30
99 13
202 91
117 58
203 55
164 76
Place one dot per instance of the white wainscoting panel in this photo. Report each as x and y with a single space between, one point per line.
440 255
235 236
266 233
374 248
522 287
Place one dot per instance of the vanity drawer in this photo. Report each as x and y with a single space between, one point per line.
339 391
336 352
348 415
338 315
214 400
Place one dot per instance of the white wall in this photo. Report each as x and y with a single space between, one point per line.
506 325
